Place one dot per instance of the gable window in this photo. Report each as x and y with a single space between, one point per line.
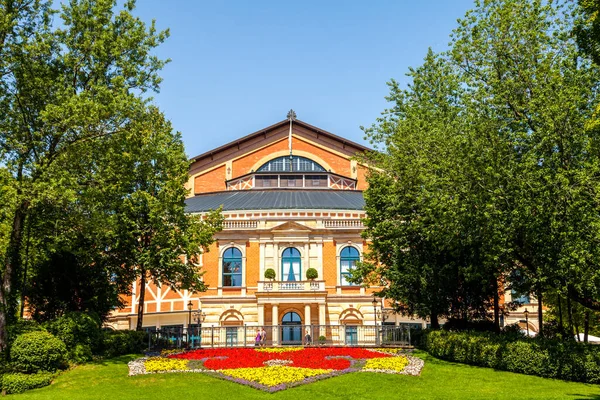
348 259
291 264
291 164
232 267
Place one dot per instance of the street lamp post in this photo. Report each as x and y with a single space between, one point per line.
375 316
200 316
190 305
526 320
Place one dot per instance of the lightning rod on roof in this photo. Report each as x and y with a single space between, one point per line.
291 115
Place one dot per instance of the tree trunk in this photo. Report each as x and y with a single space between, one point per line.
11 268
140 312
496 311
540 313
561 327
586 326
435 324
570 317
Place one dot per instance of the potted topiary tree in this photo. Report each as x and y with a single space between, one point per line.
270 273
311 274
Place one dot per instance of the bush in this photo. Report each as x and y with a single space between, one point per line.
269 273
38 351
312 273
117 343
542 357
18 383
22 326
81 333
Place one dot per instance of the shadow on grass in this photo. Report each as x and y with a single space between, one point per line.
115 360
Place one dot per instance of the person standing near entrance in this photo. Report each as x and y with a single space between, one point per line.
258 338
307 338
263 337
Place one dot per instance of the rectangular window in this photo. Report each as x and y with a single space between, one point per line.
346 267
231 336
232 273
266 181
351 335
523 299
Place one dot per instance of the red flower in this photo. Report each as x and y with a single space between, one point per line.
337 358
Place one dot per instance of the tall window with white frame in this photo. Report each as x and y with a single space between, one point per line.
291 265
232 267
348 259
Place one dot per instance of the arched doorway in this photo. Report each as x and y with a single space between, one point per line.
291 330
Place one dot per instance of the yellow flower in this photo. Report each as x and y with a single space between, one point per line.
278 349
273 376
388 350
158 364
388 363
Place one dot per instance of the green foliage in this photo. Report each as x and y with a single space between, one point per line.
38 351
19 383
542 357
68 90
77 328
488 169
116 343
312 273
80 332
587 29
151 228
22 326
65 282
269 273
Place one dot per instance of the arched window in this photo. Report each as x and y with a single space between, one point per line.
293 164
348 259
232 267
291 264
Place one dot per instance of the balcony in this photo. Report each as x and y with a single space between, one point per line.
343 224
291 287
239 224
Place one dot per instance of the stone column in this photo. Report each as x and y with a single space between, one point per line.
322 320
275 323
307 322
261 314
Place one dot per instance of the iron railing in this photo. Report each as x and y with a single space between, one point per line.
278 335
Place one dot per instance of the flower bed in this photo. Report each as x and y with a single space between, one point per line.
274 369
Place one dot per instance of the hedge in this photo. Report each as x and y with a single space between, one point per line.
36 351
81 333
117 343
18 383
541 357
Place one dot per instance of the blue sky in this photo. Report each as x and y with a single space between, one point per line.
239 66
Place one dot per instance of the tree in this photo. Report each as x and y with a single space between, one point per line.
492 167
63 90
523 68
154 239
415 204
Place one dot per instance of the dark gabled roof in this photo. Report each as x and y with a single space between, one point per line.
237 142
277 200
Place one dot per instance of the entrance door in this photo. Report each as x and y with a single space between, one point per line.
291 331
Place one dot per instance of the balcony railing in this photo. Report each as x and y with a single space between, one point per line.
240 224
343 223
293 286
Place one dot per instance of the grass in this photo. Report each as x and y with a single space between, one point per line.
439 380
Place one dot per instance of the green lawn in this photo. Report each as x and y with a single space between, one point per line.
439 380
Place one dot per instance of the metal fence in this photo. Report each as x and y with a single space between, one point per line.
178 337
